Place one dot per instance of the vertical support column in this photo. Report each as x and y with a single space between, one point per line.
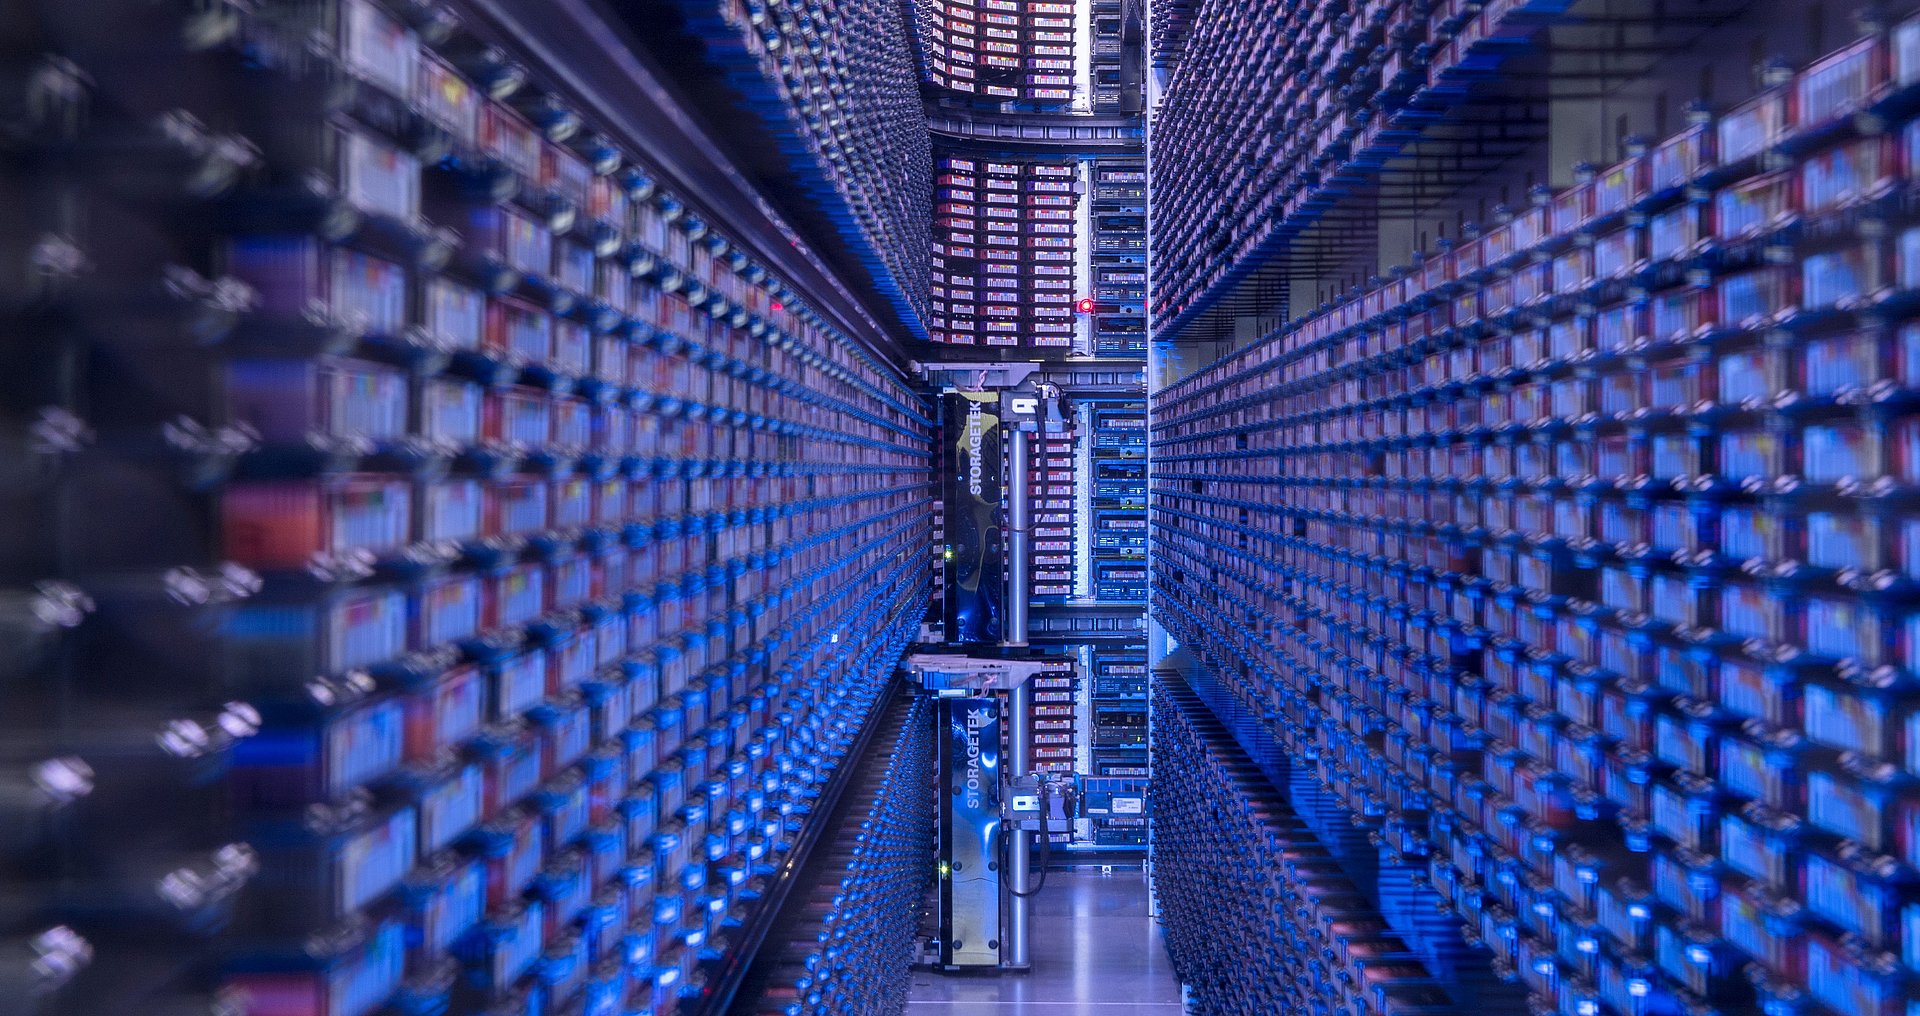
1019 528
1013 942
1014 952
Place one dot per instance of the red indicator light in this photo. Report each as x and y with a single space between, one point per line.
1085 306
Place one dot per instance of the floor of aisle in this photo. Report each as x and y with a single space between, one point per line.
1095 951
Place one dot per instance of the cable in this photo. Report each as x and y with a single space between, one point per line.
1046 850
1046 839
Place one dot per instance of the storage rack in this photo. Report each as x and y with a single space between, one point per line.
880 862
937 561
1118 714
1104 634
1114 498
1119 724
1116 808
1016 252
1116 719
1577 560
120 860
1006 236
943 459
1055 737
546 551
1018 52
1054 523
1173 22
837 93
1086 623
1118 759
1116 63
1263 910
1334 90
1117 446
1119 202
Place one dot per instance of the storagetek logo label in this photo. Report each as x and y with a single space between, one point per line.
976 432
977 718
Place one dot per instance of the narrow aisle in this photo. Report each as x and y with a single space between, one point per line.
1095 951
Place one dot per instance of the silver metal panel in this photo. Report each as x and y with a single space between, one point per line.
970 832
1020 762
1019 526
